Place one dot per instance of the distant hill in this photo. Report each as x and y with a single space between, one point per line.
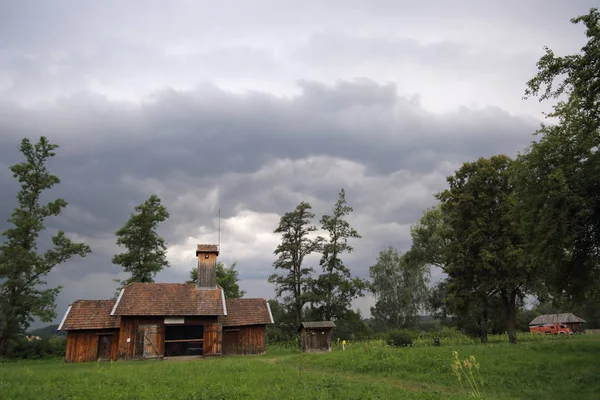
47 332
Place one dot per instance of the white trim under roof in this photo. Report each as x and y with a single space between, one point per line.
224 303
270 314
117 302
64 319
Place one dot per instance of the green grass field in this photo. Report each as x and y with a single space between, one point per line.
561 368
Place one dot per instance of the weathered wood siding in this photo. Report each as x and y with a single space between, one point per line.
82 346
213 336
130 328
249 339
575 326
136 348
207 270
316 340
206 320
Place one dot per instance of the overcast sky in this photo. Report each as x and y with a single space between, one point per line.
252 107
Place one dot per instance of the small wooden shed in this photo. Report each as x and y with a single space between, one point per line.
316 336
92 333
568 319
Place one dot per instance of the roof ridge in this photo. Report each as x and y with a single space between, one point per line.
247 298
92 300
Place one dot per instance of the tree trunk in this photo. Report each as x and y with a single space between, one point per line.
483 325
512 317
509 301
3 344
298 315
483 321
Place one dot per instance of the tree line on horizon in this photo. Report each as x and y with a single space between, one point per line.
503 229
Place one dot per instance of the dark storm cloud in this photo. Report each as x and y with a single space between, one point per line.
190 140
178 120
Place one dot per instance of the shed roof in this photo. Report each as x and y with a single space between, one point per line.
89 314
247 312
564 318
316 325
169 299
207 248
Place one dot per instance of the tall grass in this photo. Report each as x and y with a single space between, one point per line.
539 367
543 367
453 337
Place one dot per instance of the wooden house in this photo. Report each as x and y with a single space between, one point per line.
316 336
162 320
568 319
92 333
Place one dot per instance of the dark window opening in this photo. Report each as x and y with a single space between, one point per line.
104 347
184 340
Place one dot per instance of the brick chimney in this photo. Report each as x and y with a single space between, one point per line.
207 266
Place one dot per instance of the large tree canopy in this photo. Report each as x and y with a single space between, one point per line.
22 266
484 254
558 177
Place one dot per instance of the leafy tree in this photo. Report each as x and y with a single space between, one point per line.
335 288
22 266
436 303
145 253
430 237
351 326
295 245
227 278
399 283
558 179
484 255
284 330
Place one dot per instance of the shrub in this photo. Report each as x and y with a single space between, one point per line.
398 338
22 348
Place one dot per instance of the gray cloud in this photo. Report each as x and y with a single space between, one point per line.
255 156
254 107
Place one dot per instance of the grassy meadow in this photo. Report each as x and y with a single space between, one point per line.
539 368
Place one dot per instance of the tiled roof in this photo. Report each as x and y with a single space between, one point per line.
317 324
207 248
565 318
246 312
169 299
90 314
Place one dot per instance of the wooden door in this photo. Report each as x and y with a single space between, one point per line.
230 342
322 340
212 339
151 344
104 347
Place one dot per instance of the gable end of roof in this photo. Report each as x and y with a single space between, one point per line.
62 322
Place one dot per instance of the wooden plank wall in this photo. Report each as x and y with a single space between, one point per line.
244 340
316 340
575 327
252 339
114 350
213 337
82 346
200 320
207 275
129 328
